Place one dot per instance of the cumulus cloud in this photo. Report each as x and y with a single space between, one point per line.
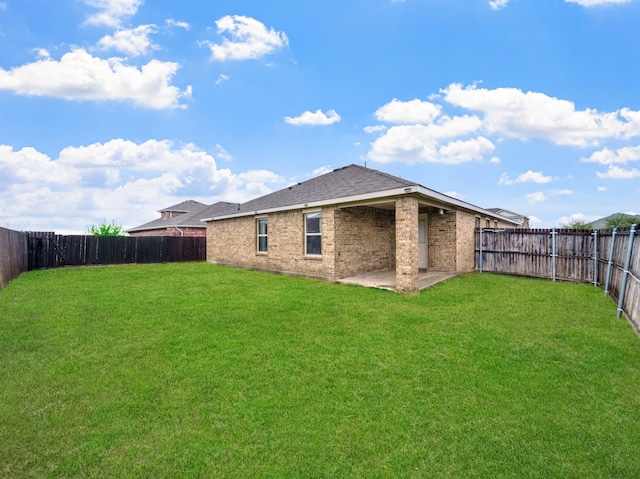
133 42
247 39
611 157
112 12
602 189
617 173
498 4
119 179
575 217
314 118
80 76
535 198
527 177
517 114
179 24
408 112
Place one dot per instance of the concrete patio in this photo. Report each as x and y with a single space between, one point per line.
386 279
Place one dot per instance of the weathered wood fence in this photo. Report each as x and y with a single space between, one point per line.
13 255
20 251
607 258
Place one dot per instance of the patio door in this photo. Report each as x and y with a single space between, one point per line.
422 243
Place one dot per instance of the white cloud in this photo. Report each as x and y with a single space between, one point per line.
617 173
535 198
567 220
527 177
112 12
176 23
595 3
498 4
495 160
611 157
602 189
535 115
222 78
408 112
424 143
534 221
314 118
80 76
374 129
119 180
248 39
134 41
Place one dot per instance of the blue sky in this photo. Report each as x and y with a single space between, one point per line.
114 109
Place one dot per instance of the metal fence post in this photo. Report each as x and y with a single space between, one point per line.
625 273
610 265
553 252
595 257
481 249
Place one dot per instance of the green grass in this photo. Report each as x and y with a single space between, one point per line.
195 370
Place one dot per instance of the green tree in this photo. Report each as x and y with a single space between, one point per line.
577 225
106 229
620 221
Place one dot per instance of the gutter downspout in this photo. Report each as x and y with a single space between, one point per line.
181 232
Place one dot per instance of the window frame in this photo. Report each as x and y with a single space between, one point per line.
262 220
307 234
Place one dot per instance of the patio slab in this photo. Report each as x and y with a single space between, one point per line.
386 279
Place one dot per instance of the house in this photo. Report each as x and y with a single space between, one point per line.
183 219
524 221
350 221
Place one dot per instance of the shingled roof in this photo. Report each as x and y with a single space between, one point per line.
192 214
348 182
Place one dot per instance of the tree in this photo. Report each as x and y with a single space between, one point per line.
620 221
106 229
577 225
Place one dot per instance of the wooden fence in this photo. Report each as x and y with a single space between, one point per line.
607 258
13 255
21 251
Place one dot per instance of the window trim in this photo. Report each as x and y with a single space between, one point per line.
259 235
306 214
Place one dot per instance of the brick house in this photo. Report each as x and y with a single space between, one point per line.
350 221
183 219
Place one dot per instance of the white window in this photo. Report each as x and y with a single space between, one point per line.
313 233
261 226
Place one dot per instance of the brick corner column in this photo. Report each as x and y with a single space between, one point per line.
407 244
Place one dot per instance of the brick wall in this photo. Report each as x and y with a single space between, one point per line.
233 242
365 239
407 244
441 240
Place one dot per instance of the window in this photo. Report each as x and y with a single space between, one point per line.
261 224
313 233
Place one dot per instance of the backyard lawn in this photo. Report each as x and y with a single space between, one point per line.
196 370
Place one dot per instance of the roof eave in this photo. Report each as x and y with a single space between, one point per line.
395 192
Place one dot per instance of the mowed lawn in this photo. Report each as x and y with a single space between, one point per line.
196 370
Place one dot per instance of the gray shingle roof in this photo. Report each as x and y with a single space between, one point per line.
346 181
191 219
188 206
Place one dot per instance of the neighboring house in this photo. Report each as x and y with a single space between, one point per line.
183 219
524 221
350 221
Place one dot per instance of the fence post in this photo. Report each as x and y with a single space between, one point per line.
553 252
595 257
610 265
625 273
481 249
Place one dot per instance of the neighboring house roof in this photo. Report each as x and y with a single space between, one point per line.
602 222
348 184
188 206
192 213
